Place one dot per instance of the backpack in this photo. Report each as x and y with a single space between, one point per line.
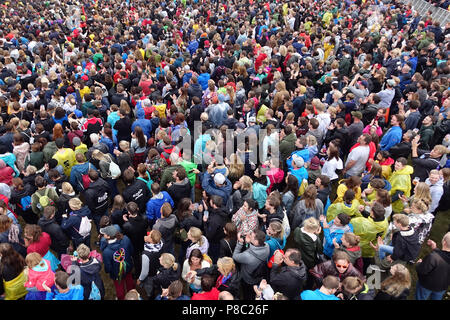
25 203
85 182
44 200
85 227
114 170
95 292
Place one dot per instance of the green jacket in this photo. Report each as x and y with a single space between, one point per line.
167 176
426 133
188 166
49 150
309 249
287 146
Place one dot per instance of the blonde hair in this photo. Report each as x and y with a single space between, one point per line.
397 282
226 265
196 234
204 116
311 224
168 261
247 183
83 251
24 123
31 170
441 149
33 259
420 204
311 140
277 227
124 145
422 192
75 204
401 218
352 283
67 188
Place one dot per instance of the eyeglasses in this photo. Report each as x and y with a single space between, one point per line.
341 266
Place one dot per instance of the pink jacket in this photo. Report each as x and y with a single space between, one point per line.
379 132
40 274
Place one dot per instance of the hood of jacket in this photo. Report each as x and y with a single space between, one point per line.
389 161
406 170
43 222
298 272
439 184
91 267
444 254
83 212
140 113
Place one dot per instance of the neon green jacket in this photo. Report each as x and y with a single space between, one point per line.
336 208
400 181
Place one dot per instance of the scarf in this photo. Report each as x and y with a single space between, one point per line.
13 235
151 247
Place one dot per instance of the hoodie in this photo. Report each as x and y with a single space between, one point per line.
167 227
211 188
111 248
288 280
90 273
250 259
153 209
333 232
145 124
275 244
178 191
60 242
74 293
406 245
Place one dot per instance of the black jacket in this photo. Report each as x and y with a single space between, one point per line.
137 192
403 149
97 196
60 241
135 229
288 280
163 279
434 270
178 191
406 245
227 248
214 225
423 165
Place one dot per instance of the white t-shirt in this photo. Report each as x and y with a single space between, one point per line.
330 166
360 154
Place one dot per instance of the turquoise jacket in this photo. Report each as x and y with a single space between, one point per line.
260 193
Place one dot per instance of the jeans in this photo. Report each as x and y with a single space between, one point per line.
385 250
423 293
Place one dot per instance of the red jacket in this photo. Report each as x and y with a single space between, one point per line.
6 175
210 295
42 246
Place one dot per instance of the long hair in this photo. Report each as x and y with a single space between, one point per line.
398 282
5 223
292 185
32 232
422 192
11 258
142 142
183 210
310 196
58 132
353 182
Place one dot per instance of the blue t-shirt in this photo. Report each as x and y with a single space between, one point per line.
317 295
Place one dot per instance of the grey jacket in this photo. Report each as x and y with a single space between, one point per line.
250 259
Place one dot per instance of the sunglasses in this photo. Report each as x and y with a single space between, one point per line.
342 266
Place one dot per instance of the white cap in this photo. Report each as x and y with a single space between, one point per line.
219 178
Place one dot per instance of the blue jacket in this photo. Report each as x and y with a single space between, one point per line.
76 175
304 153
337 234
186 77
71 224
317 295
192 47
154 205
210 187
260 192
203 80
300 174
112 267
275 244
74 293
392 137
145 124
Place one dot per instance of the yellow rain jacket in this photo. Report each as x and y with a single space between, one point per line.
336 208
15 289
341 191
368 230
401 181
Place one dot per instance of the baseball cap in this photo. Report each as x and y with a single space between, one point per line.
357 114
299 162
110 231
219 178
78 113
315 163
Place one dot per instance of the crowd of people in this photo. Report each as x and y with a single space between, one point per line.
321 158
